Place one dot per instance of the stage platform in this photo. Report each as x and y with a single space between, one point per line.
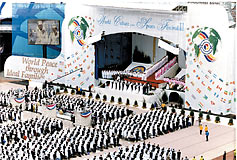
132 96
154 83
140 98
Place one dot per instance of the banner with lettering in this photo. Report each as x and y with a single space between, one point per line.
36 69
112 20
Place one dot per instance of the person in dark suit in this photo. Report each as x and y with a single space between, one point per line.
207 135
224 155
179 155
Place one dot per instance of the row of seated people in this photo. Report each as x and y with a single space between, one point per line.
13 133
39 95
5 99
103 112
144 151
69 103
130 87
108 74
100 110
10 113
35 95
146 125
62 144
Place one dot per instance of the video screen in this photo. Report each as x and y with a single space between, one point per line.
43 32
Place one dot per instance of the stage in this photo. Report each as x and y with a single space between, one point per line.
140 98
153 96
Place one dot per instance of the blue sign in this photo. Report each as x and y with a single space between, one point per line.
21 13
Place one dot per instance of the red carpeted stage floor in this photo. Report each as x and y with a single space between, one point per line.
150 79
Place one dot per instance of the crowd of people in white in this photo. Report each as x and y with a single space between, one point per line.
9 114
100 111
131 87
62 144
28 129
146 125
144 151
45 138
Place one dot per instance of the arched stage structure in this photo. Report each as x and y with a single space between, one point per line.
193 47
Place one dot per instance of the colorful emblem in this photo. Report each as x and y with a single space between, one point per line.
205 41
140 69
78 30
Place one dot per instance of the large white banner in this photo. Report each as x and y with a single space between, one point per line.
210 51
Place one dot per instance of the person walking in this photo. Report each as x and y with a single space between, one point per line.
192 119
207 134
201 158
201 128
224 155
194 158
206 128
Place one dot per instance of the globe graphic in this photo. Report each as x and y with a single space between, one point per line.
205 41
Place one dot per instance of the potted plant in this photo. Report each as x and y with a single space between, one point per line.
191 113
231 122
135 103
165 108
72 91
173 110
182 111
104 98
90 95
152 107
57 91
144 104
164 98
97 97
201 115
61 88
119 100
127 102
65 90
112 99
208 117
217 120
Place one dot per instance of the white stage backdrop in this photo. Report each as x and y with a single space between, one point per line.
202 32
